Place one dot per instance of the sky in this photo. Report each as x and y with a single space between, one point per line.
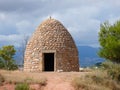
82 18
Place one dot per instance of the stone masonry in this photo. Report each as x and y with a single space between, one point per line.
51 37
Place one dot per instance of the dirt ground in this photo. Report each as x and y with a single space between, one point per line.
55 80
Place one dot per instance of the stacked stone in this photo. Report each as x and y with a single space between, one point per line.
51 36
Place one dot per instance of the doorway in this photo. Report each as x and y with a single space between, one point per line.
48 61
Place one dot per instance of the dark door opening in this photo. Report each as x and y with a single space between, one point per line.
48 61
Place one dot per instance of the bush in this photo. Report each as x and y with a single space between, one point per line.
78 83
2 64
6 58
11 65
98 80
22 86
113 70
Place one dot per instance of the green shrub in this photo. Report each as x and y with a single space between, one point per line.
11 65
2 64
22 86
7 58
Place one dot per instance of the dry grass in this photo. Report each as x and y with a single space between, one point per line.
21 77
98 80
94 80
1 79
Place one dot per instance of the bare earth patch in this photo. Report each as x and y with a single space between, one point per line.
7 87
54 80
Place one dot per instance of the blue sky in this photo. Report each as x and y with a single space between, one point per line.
82 18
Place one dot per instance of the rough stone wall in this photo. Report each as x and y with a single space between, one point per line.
51 36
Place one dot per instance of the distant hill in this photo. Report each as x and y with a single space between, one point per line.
18 56
87 56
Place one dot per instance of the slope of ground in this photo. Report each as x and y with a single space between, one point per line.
51 80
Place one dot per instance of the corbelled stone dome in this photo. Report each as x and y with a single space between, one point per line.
51 48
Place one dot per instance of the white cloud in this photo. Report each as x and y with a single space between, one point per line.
14 39
24 27
2 16
81 23
11 39
81 17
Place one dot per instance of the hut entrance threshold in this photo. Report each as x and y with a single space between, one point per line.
48 61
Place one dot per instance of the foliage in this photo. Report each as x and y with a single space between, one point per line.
113 70
22 86
97 80
6 57
2 64
109 39
41 81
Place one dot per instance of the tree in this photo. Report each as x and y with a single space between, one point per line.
109 39
6 57
2 64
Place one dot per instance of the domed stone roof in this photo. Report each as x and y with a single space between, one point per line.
51 48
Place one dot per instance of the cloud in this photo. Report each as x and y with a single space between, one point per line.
14 39
81 17
2 16
10 39
24 26
81 23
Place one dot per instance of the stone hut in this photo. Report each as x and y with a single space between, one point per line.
51 48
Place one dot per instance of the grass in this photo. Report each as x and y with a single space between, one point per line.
2 79
93 80
21 77
97 80
22 86
113 70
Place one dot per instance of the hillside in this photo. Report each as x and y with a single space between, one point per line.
88 56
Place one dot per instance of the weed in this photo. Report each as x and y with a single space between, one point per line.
98 80
113 70
28 80
22 86
43 81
